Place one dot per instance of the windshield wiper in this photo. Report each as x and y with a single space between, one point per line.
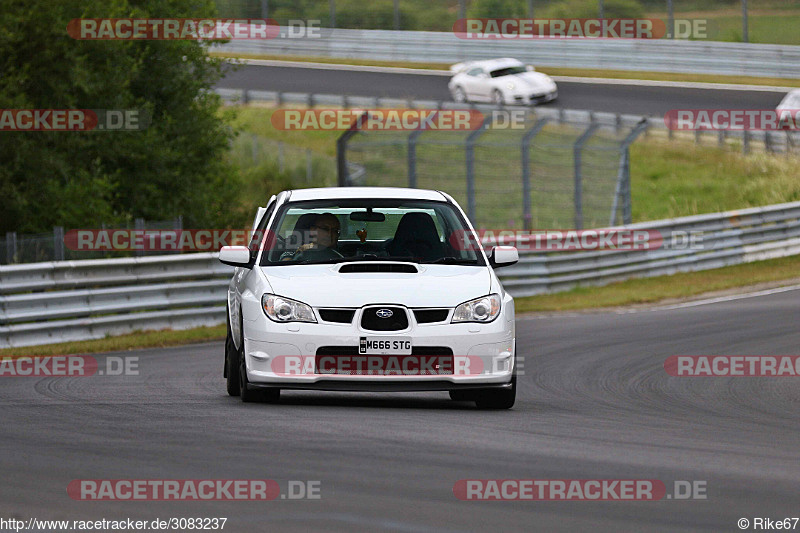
451 261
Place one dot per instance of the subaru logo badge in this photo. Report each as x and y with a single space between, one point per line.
384 313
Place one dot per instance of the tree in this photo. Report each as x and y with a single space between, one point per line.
78 179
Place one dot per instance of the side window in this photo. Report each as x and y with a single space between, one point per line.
475 72
258 234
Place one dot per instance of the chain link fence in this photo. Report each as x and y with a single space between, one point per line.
36 247
542 174
303 166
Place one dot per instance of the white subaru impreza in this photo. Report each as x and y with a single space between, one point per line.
368 289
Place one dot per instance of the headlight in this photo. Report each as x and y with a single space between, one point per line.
279 309
483 309
510 86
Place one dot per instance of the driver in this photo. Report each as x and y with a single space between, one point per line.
324 233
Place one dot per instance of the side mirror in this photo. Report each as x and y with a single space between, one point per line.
530 68
503 256
238 256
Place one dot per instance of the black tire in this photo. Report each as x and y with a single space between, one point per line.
231 372
459 95
461 395
497 98
254 394
497 398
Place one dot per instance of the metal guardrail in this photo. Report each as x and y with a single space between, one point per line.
662 55
43 303
774 141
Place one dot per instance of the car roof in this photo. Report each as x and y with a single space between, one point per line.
336 193
493 64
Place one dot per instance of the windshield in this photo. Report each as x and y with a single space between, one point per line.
335 231
508 71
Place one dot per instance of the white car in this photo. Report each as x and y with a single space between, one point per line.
501 81
368 289
790 101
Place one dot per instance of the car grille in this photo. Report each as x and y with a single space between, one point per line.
371 321
342 316
425 316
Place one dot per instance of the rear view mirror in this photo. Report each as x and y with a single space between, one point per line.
367 216
238 256
503 256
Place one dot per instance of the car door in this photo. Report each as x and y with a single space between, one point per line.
473 82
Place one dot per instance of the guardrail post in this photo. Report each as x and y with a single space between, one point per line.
623 188
768 142
578 182
245 97
11 247
470 162
58 243
789 143
527 216
341 150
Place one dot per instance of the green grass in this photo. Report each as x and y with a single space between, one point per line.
139 339
661 288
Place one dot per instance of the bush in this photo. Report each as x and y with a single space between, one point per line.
579 9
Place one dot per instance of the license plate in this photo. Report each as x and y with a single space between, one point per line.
385 346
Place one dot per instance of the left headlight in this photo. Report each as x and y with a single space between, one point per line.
483 309
279 309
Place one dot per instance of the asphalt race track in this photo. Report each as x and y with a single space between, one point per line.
615 98
594 403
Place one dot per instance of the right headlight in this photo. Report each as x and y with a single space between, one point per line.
483 309
279 309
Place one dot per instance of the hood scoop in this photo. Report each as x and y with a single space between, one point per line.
357 268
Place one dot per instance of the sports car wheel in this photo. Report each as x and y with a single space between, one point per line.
497 97
459 96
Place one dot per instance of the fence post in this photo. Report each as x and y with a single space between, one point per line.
341 150
623 188
332 6
58 243
746 142
280 156
470 162
396 15
309 166
768 142
526 171
255 147
11 247
578 182
138 225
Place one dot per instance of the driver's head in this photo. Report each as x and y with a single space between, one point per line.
325 230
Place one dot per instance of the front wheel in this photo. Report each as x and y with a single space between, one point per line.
459 96
253 394
497 398
231 373
497 97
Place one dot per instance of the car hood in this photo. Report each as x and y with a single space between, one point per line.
432 286
530 80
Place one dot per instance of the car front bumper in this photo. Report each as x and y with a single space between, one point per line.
486 351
